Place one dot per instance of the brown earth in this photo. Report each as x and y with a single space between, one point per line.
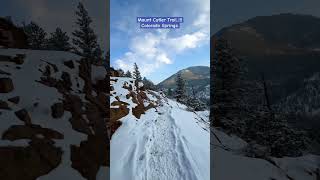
6 85
29 163
89 156
17 132
24 116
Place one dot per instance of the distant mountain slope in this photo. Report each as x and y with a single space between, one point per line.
285 47
197 77
277 34
305 101
192 75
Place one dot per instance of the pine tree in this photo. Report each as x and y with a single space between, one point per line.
243 107
271 129
9 19
59 41
36 36
85 39
128 74
121 72
194 104
107 61
227 91
169 92
148 84
180 91
136 74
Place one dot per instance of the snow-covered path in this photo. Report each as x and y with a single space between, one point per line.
165 158
156 147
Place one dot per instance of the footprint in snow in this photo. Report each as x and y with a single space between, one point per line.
141 157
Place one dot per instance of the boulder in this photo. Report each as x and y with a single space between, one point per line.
4 72
118 113
24 116
6 85
69 64
19 59
4 105
95 150
29 163
15 100
57 110
138 110
17 132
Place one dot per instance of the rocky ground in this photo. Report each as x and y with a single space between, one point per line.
53 114
155 137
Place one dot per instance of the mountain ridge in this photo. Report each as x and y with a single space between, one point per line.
186 69
197 80
284 47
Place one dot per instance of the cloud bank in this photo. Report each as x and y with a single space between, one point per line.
152 49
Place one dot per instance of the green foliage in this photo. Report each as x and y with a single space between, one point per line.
148 84
36 36
136 74
128 74
84 38
180 91
242 107
59 41
169 92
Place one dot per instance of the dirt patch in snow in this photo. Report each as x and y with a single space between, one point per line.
29 163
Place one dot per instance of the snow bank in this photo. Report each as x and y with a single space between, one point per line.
166 143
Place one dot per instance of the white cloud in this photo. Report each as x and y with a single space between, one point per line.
163 58
187 41
154 50
147 52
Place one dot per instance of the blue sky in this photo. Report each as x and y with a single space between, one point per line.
159 53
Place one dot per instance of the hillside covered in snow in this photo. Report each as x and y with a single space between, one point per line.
53 113
156 137
231 160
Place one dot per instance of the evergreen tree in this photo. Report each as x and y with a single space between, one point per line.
85 40
36 36
136 74
180 91
194 104
227 91
121 72
271 129
128 74
107 61
9 19
169 92
148 84
243 107
59 41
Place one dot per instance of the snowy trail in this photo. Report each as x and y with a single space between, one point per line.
165 143
165 158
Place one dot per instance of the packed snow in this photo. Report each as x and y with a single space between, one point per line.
166 143
230 163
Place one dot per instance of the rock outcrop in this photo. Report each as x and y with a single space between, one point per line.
51 107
